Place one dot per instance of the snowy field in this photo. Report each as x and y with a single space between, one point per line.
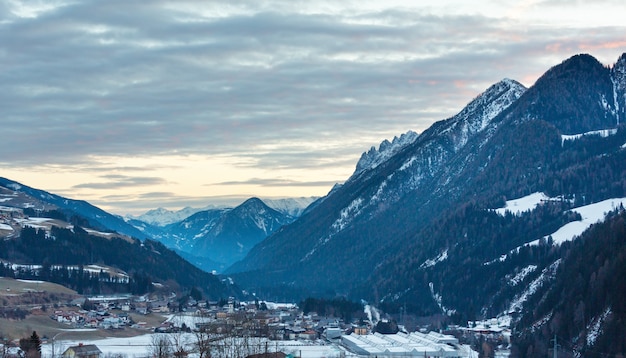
140 346
591 214
527 203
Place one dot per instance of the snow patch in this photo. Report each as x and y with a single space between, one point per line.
522 275
432 262
535 285
29 281
14 186
347 214
594 329
602 133
591 214
526 203
437 297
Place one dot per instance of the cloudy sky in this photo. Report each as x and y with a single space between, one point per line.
133 105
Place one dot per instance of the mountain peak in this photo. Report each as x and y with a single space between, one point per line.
253 202
556 97
479 113
372 158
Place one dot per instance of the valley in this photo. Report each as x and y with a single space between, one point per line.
510 213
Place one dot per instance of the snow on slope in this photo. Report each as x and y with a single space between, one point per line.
602 133
526 203
290 206
163 217
432 262
595 327
5 227
546 275
591 214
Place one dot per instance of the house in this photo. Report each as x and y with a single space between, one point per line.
82 351
309 334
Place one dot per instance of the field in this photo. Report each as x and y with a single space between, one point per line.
12 288
32 296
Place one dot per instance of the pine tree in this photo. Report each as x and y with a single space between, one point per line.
31 346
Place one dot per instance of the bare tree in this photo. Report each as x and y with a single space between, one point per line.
161 346
180 342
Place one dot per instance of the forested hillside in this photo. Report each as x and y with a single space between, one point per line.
584 306
59 256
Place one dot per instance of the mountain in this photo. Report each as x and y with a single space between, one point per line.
418 228
42 200
357 219
226 235
291 206
161 217
583 302
214 238
41 240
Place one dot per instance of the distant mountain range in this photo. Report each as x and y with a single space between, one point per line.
215 238
163 217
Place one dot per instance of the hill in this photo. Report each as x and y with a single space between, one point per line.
41 243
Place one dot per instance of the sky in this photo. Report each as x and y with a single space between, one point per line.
133 105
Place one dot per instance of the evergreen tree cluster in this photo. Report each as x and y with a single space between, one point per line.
63 253
586 298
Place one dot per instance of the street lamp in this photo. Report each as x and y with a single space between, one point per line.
53 338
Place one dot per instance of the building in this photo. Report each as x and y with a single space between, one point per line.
405 345
269 355
82 351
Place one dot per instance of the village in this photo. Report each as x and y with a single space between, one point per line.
263 326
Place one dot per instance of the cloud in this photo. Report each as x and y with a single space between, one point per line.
274 182
116 181
269 84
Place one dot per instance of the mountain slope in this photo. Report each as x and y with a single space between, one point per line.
39 242
584 303
430 200
364 207
238 230
96 217
215 238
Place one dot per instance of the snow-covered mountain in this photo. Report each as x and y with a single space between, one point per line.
291 206
162 216
375 186
415 225
214 238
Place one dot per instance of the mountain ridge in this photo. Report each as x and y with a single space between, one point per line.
454 169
